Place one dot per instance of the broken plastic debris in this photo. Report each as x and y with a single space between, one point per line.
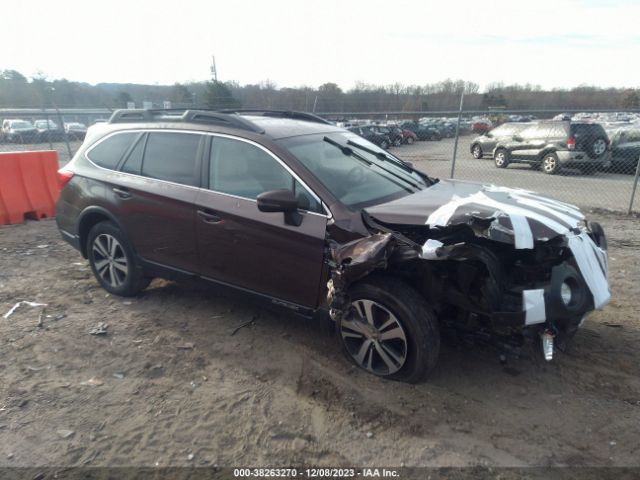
100 329
547 345
118 375
65 433
431 250
93 382
23 302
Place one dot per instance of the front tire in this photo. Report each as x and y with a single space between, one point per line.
476 151
409 140
391 331
113 262
384 145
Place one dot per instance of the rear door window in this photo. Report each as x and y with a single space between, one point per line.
172 156
107 153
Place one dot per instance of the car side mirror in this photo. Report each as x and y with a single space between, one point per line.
488 135
517 138
281 201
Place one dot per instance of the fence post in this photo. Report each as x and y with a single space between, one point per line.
455 144
49 132
635 185
64 132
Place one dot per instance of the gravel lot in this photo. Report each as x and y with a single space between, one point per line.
171 384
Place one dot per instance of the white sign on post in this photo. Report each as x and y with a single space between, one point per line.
166 104
147 105
131 105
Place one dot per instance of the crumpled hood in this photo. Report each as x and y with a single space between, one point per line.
519 216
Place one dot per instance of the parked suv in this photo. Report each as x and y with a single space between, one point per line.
486 143
313 219
554 145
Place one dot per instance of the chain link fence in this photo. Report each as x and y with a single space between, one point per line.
588 159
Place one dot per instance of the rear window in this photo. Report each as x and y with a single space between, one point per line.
172 157
108 153
584 129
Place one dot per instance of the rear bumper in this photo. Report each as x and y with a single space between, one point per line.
569 157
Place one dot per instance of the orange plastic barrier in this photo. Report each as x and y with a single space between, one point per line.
29 185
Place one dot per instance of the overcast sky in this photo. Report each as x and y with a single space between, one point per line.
553 43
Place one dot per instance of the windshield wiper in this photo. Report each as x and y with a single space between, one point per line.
383 156
350 152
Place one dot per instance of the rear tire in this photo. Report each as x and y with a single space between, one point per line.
397 142
113 262
384 145
392 332
409 140
550 164
501 158
597 148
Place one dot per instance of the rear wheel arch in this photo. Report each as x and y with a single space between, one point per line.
544 152
90 217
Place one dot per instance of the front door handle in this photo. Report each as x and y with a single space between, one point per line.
122 192
209 216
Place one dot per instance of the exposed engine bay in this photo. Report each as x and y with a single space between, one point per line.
492 262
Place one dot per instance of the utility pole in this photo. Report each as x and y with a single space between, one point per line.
214 72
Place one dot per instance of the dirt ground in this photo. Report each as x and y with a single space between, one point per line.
171 384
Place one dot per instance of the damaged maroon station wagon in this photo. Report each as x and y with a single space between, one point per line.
312 218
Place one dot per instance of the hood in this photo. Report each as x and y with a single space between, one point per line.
509 215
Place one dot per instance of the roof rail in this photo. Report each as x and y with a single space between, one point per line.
184 115
309 117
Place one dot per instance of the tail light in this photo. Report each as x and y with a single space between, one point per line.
571 143
63 177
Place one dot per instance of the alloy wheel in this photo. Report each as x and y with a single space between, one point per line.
374 338
477 152
500 158
549 164
110 260
599 147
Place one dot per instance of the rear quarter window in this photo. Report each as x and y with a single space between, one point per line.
586 130
108 152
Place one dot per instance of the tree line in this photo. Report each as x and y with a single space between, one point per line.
16 90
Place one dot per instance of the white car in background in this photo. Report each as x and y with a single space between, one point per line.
75 130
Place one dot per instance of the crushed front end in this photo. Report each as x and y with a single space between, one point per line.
500 264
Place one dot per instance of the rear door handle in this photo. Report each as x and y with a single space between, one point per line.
122 192
209 216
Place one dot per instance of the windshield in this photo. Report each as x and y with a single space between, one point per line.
20 124
354 176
